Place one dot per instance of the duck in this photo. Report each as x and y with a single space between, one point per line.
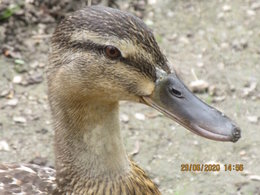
100 56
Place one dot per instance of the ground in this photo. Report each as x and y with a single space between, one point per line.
214 41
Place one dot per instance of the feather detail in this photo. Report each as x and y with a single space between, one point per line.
135 182
26 179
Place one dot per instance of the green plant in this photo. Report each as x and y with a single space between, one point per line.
8 12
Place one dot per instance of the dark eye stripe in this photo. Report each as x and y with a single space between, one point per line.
87 46
140 64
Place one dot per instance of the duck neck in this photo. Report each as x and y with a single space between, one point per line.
88 142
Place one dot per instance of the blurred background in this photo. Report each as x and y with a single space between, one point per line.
213 45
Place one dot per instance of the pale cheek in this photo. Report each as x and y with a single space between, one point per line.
146 87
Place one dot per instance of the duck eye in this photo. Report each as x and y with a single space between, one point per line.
112 52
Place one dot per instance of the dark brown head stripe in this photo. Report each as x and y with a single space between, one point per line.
139 63
107 22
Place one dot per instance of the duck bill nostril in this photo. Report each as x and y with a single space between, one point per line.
176 101
175 92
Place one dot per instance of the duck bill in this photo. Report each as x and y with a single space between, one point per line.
175 100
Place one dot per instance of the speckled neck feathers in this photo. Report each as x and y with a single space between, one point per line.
90 155
88 143
84 88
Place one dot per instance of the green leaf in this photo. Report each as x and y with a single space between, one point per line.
8 12
19 61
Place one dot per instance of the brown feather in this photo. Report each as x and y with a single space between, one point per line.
26 179
136 182
84 89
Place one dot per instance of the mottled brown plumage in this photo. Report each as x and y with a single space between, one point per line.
86 81
25 179
135 182
32 179
84 89
85 104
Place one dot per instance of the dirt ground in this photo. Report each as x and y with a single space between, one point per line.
215 41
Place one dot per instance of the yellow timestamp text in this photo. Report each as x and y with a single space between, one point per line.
211 167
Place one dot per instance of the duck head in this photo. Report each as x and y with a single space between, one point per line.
106 55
